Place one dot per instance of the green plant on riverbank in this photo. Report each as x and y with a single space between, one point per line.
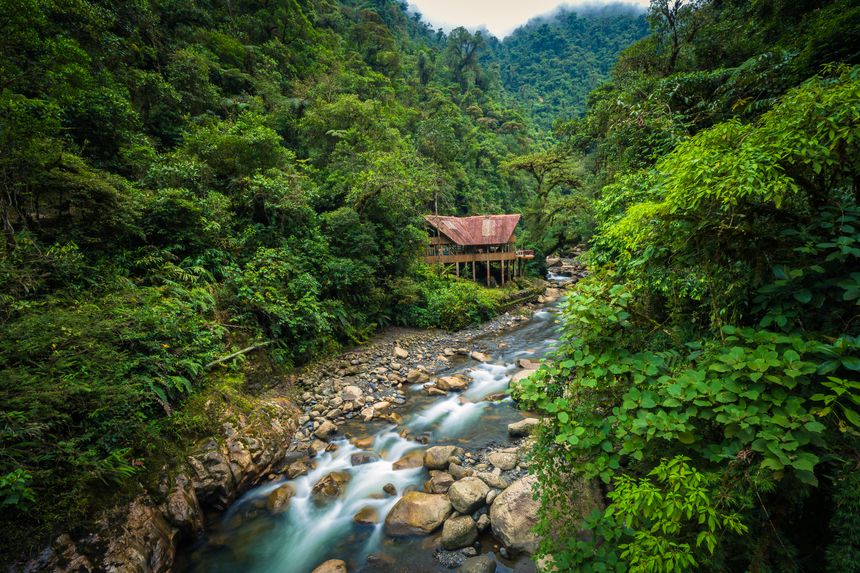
718 331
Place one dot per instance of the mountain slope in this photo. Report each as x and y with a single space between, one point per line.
552 63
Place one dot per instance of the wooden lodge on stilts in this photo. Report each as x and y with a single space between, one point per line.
483 245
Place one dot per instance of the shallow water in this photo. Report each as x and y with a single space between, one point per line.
248 539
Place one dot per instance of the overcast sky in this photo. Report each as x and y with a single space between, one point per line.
500 17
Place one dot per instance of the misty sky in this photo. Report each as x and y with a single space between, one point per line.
500 17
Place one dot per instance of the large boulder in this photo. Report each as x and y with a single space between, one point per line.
439 482
366 516
468 494
417 513
522 428
520 375
436 457
458 532
331 566
514 514
479 356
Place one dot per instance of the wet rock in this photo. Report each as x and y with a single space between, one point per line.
363 443
434 391
296 469
491 496
367 414
458 532
483 522
278 501
457 382
366 516
514 514
361 458
331 566
523 427
468 494
449 559
439 482
479 356
503 460
528 364
325 429
414 459
479 564
331 485
389 489
436 458
401 353
417 513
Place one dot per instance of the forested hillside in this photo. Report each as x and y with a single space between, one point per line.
708 373
184 179
551 64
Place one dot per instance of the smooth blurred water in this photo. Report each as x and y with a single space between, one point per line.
248 539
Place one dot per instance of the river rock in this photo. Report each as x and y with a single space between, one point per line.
325 429
492 479
331 485
389 489
351 394
503 460
458 532
401 353
416 376
363 443
458 471
479 356
468 494
514 515
361 458
417 513
483 522
366 516
331 566
436 458
528 363
480 564
439 482
491 496
523 427
457 382
520 375
278 501
413 459
296 469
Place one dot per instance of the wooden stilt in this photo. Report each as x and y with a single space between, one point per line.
503 273
458 269
488 271
473 271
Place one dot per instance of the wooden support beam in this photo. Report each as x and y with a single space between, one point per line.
503 273
473 271
458 269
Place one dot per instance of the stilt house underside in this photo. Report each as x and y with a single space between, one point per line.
474 242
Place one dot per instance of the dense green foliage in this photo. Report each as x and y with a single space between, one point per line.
551 64
182 179
709 371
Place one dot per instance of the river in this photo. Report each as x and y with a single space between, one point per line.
249 539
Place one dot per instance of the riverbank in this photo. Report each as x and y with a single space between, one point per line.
387 431
259 438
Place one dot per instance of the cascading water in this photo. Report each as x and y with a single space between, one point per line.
249 539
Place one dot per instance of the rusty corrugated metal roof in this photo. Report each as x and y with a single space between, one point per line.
477 230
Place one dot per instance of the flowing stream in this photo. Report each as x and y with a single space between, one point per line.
249 539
